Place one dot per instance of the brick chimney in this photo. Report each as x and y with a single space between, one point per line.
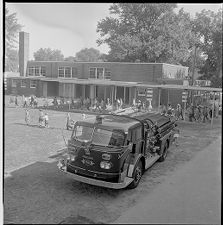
23 52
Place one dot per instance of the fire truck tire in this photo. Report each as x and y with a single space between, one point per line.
164 153
137 174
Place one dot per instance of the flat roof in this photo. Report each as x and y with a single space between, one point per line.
132 63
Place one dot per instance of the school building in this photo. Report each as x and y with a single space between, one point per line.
96 79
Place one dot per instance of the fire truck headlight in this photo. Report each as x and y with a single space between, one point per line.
68 157
105 165
72 157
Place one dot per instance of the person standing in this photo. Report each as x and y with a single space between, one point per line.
205 114
216 106
46 117
16 101
27 116
25 102
163 110
68 122
41 118
191 113
169 110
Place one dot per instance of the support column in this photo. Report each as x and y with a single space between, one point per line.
168 98
70 91
115 92
105 93
83 90
212 116
159 93
124 94
92 92
63 90
135 92
112 94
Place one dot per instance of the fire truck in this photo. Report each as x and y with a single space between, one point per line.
114 151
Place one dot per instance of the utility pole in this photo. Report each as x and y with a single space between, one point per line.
193 70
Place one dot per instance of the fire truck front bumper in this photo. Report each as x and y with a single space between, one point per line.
127 180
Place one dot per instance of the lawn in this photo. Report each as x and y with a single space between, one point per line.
25 144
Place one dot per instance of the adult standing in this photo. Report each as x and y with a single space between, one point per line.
16 101
179 112
25 102
169 110
205 114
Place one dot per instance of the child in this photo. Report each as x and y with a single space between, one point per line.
69 122
27 117
46 117
41 118
176 136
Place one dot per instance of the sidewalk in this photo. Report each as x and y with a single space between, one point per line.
191 195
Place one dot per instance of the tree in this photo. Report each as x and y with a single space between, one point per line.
88 55
146 33
47 54
70 59
12 60
208 27
12 28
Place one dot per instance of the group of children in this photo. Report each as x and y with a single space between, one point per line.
43 118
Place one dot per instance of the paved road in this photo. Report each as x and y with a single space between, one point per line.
191 195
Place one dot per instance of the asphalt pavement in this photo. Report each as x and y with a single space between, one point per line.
191 195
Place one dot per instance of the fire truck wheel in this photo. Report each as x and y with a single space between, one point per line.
164 153
137 174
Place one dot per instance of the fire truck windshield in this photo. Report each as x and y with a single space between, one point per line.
83 133
108 138
99 136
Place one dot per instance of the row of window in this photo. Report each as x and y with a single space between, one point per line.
100 73
67 72
71 72
37 71
33 83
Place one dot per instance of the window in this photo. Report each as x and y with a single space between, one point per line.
100 73
61 72
43 71
14 83
74 71
64 72
136 134
92 72
141 92
23 83
67 72
82 133
31 71
37 71
107 74
33 83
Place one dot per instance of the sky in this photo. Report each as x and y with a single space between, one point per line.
71 27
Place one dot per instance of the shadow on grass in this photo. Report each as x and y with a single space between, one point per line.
40 186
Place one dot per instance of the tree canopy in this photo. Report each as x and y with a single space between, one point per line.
145 32
12 28
88 55
208 27
47 54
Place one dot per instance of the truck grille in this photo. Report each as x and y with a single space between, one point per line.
92 174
